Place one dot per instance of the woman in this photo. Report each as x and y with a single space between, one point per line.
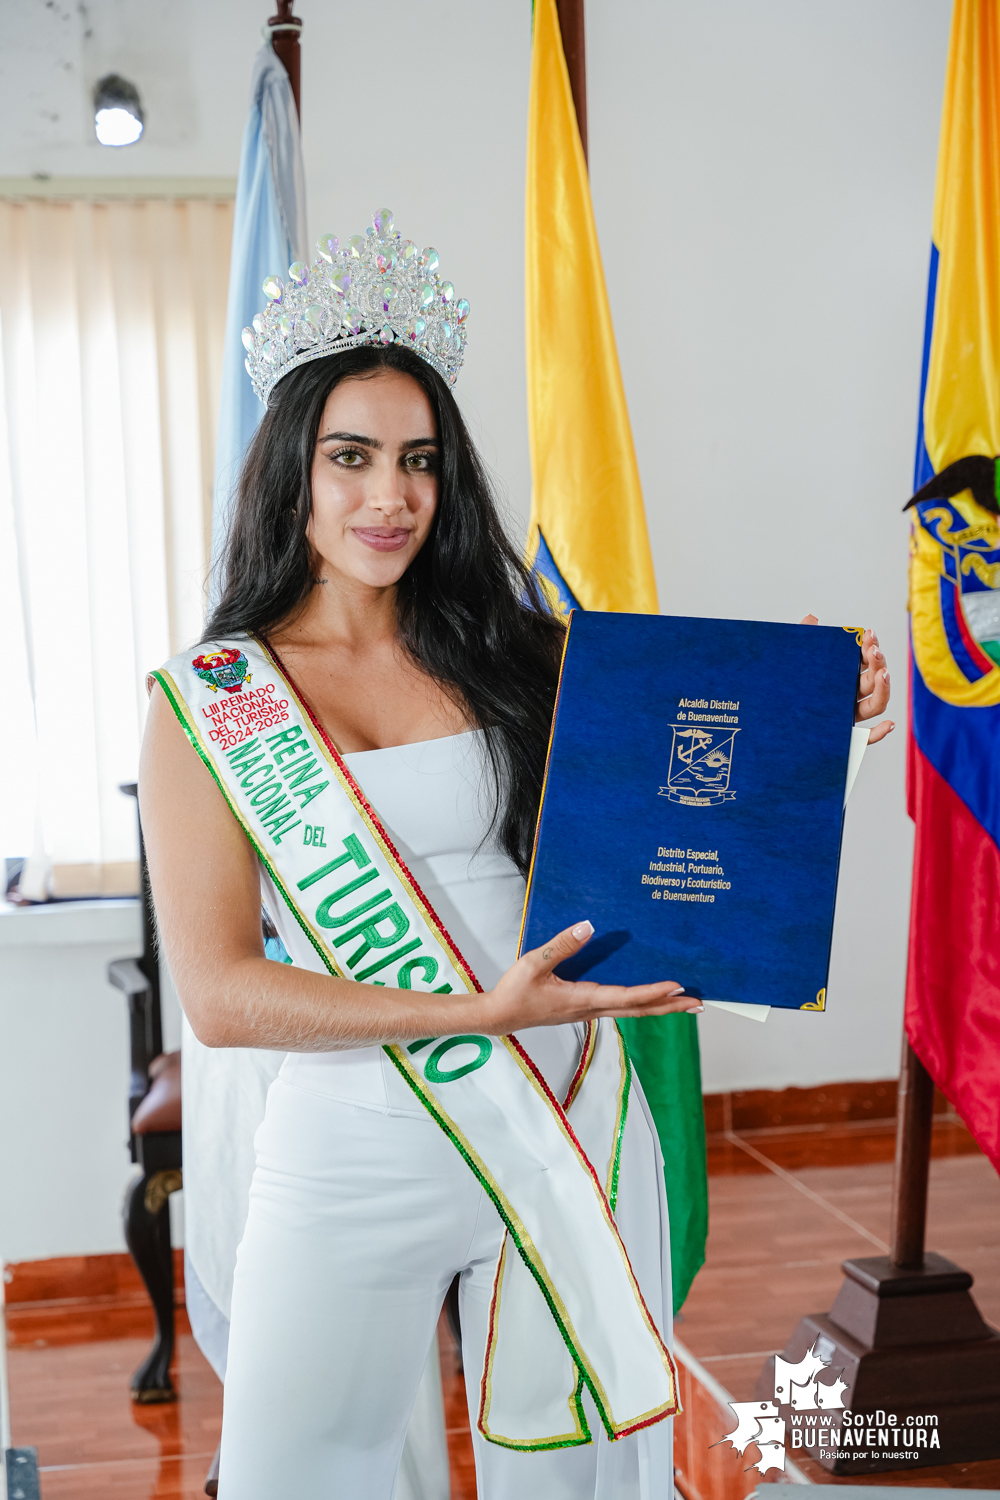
395 624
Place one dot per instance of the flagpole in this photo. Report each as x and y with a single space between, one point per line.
285 31
914 1124
571 26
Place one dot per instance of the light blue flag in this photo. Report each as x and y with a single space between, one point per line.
224 1090
269 231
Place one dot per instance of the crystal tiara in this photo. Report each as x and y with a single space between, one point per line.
377 289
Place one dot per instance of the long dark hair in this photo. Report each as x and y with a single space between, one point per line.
470 615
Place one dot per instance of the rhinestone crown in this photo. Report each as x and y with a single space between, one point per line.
376 289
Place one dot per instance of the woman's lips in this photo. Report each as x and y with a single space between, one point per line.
383 538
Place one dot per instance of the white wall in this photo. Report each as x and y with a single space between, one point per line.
767 173
64 1071
763 179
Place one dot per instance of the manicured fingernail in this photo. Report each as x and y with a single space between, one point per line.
583 930
886 677
694 1010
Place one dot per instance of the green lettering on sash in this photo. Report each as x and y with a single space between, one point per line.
277 837
433 1071
242 756
300 770
276 807
323 916
425 962
416 1046
253 757
247 781
323 910
443 989
283 735
371 935
266 792
309 792
353 850
390 958
284 751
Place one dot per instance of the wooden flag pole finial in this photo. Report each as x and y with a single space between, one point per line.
285 32
571 25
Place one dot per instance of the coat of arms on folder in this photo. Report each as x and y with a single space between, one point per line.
697 827
700 764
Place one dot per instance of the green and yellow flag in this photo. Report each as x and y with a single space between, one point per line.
587 537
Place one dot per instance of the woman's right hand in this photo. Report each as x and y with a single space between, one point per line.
531 994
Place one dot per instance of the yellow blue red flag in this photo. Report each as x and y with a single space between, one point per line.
587 533
587 537
953 981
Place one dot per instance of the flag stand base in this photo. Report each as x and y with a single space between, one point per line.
911 1345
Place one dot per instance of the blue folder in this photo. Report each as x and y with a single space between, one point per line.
693 804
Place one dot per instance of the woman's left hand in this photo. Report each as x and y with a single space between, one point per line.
873 685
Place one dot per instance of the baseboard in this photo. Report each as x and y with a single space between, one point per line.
824 1104
73 1299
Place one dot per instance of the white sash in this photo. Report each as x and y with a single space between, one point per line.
553 1182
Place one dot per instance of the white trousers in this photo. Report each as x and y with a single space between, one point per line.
359 1219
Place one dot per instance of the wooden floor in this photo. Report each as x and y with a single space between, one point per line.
456 1418
71 1402
789 1200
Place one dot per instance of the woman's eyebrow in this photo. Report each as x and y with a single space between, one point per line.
349 437
370 442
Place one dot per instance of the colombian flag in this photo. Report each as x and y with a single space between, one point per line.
587 535
953 982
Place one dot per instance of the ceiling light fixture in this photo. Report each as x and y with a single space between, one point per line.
118 118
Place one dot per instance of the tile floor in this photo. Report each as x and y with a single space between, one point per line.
786 1206
780 1229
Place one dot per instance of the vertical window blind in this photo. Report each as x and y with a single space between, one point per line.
112 317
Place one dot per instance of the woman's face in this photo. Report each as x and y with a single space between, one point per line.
374 479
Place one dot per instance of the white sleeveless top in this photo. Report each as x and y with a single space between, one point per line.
430 796
433 799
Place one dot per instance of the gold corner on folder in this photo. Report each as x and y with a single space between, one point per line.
818 1004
